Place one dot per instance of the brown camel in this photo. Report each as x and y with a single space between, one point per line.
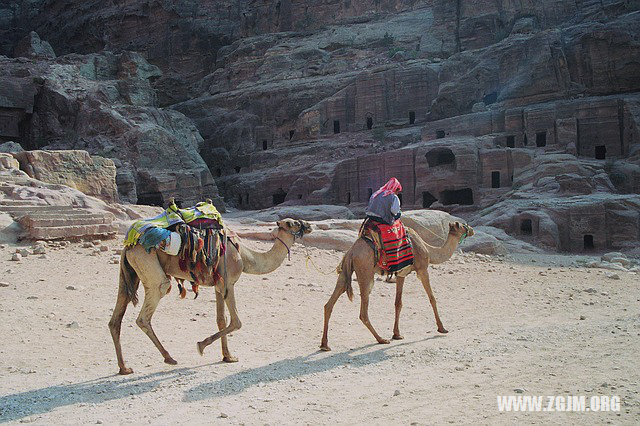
360 258
156 268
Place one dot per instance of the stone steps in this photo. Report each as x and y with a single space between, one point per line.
14 203
20 210
46 222
72 232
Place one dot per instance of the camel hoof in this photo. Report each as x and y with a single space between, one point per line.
442 330
170 361
229 359
384 341
201 347
397 337
124 371
325 348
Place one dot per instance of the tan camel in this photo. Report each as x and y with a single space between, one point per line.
156 268
360 258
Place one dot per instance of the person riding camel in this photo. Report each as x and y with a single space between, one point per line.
384 204
384 231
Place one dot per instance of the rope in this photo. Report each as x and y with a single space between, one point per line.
288 250
438 236
310 260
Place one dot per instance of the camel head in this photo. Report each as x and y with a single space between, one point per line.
295 227
460 230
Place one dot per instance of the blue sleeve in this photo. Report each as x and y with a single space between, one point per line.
395 206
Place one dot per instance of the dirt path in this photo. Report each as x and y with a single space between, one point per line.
513 325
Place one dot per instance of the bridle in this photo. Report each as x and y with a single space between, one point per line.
297 234
466 233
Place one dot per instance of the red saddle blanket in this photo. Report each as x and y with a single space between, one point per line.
396 251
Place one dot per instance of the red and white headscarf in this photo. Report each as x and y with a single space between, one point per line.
392 186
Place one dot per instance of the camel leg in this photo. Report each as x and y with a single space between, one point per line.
328 308
222 323
115 325
156 283
152 296
396 324
365 290
424 278
235 323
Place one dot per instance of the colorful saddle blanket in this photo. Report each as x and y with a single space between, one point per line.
201 233
393 244
195 216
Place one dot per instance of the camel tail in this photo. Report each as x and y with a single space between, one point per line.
345 271
129 280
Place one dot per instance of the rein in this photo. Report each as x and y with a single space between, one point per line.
285 244
298 234
463 236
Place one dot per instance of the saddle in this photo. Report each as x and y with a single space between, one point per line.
203 240
390 243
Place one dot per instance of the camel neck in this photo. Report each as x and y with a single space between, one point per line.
443 253
259 263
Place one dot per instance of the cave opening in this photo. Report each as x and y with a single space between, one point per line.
458 196
511 141
495 179
412 117
428 199
151 199
601 152
440 157
588 242
541 139
264 145
526 227
336 126
369 123
439 134
279 196
490 98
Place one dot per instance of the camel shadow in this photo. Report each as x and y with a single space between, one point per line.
291 367
39 401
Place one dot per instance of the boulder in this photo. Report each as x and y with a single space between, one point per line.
611 255
483 243
92 175
431 225
311 213
332 239
10 231
8 162
31 46
10 147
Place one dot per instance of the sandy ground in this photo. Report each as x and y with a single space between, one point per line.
514 324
